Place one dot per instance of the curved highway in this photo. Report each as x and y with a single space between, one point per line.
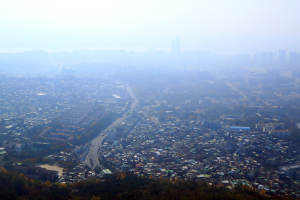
93 154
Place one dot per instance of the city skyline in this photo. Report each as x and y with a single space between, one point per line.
229 27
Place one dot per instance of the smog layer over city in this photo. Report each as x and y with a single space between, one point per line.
150 99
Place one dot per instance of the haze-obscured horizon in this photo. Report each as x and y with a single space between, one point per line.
231 27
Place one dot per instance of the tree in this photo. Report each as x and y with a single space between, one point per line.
8 165
97 169
96 198
18 182
93 125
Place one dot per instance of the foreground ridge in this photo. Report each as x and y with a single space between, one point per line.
121 186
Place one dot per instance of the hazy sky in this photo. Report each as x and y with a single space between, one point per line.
225 26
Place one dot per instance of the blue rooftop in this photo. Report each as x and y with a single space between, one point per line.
240 128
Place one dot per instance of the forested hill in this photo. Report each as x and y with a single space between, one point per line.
119 186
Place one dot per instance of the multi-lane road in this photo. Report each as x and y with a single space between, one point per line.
234 88
93 154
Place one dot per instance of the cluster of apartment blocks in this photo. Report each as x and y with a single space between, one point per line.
276 130
66 132
76 114
19 147
23 109
84 114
